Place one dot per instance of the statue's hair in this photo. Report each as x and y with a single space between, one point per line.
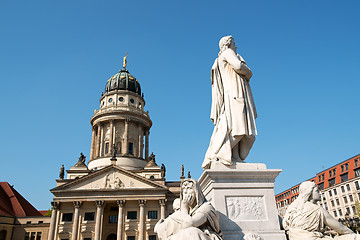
224 43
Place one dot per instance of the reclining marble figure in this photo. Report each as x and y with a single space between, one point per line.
196 219
305 220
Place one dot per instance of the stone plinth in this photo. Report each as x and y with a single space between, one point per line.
244 197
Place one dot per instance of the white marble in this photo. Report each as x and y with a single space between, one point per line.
233 110
304 219
245 200
196 219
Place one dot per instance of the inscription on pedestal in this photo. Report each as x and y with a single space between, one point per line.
240 208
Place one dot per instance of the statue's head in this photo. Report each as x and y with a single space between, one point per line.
309 191
227 42
191 187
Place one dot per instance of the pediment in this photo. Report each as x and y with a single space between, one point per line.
110 178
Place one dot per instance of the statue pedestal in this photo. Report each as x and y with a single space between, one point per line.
243 194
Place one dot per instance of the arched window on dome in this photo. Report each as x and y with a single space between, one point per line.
107 148
131 148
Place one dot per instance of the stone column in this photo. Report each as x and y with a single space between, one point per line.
140 144
55 206
98 140
126 137
147 132
75 228
92 143
120 225
142 220
102 141
111 135
162 208
99 218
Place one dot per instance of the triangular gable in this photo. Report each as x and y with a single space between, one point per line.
110 178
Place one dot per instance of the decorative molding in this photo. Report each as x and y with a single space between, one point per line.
142 202
77 204
121 203
100 203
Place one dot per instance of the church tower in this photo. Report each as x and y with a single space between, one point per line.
120 126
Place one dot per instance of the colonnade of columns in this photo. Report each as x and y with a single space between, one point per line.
98 141
99 219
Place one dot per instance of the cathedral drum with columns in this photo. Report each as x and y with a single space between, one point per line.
121 193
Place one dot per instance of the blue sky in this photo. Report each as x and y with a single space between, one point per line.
57 55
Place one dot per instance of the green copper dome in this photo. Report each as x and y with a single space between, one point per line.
123 80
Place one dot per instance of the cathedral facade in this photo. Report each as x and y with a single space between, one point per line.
121 193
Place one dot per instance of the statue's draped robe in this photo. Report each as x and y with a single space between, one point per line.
173 226
232 111
309 224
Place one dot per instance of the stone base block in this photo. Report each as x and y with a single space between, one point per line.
244 197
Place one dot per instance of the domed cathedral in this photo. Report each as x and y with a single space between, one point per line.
120 125
121 193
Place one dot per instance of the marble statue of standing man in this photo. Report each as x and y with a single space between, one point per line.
233 110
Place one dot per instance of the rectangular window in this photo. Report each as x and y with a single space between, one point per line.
337 202
321 186
113 219
32 236
67 217
326 207
27 236
340 212
335 191
38 236
89 216
332 203
330 173
40 222
131 148
342 189
106 148
335 214
354 209
330 193
319 178
351 198
131 215
345 200
152 237
342 168
152 215
347 167
87 238
334 172
357 172
356 162
348 187
357 185
347 210
344 177
130 237
331 182
28 222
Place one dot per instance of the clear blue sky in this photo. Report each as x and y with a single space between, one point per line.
55 58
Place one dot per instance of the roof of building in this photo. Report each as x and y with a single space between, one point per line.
123 80
13 204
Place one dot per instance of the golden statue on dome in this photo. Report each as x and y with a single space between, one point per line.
125 61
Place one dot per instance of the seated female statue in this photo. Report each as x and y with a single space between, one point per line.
305 220
196 220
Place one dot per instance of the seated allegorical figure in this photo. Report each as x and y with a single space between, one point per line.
196 219
305 220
